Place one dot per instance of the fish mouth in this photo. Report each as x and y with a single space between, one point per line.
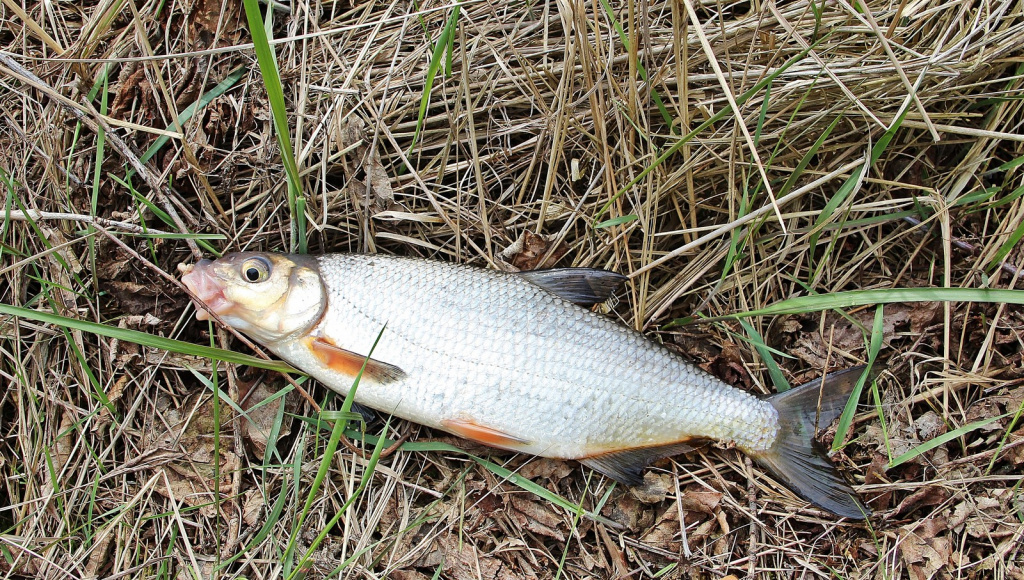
199 279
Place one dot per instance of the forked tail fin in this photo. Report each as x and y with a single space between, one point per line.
796 457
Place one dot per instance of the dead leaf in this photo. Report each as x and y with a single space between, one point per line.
99 554
462 561
536 518
552 469
379 195
924 551
654 489
258 422
702 501
929 495
189 429
666 532
532 251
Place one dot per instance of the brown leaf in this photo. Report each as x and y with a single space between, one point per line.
462 561
536 517
259 418
532 251
929 495
553 469
654 489
702 501
352 135
924 551
666 532
189 429
252 506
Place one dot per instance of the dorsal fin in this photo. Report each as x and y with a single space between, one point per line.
583 286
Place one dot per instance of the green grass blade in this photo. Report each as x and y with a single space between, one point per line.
665 115
145 339
817 302
944 438
850 184
806 159
275 94
846 419
204 99
1007 247
447 35
778 379
624 219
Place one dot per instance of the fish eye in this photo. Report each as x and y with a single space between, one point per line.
256 270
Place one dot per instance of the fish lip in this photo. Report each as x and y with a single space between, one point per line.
201 281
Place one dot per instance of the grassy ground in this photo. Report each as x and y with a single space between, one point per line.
726 157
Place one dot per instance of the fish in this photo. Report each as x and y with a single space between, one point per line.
517 361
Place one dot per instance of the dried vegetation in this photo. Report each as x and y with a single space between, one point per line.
552 133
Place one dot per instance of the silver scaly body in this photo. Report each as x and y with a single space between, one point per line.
496 349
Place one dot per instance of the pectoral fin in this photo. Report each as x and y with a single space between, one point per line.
470 429
626 466
583 286
349 363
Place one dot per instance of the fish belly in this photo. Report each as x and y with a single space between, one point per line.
491 349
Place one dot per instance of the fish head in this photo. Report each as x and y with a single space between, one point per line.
270 297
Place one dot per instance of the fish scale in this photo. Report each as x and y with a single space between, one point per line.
510 360
476 344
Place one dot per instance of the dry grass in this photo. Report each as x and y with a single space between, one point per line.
116 463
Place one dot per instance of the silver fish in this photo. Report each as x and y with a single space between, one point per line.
512 361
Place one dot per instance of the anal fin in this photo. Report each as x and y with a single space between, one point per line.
470 429
627 466
349 363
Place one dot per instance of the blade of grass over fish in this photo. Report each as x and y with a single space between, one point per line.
778 379
851 184
364 481
665 115
275 94
340 422
853 298
846 418
146 339
944 438
721 114
443 43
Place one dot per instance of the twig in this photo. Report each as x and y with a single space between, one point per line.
35 215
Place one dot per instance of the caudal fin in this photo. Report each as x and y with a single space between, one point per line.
797 458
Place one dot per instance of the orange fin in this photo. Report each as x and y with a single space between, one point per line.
470 429
627 466
349 363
